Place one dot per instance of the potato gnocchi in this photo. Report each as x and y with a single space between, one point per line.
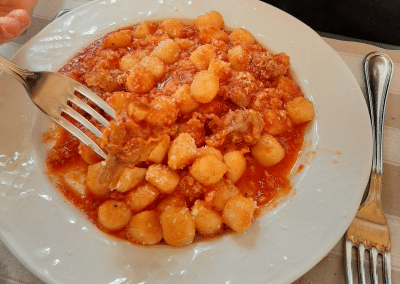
209 124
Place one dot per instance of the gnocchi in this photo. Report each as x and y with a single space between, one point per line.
208 125
205 86
167 51
207 220
202 56
142 197
206 150
145 228
267 151
178 226
182 151
210 34
300 110
143 30
162 177
238 58
93 182
185 100
242 35
88 155
114 215
208 170
174 28
160 151
220 68
127 62
239 212
130 178
139 80
118 39
154 65
221 192
213 19
236 165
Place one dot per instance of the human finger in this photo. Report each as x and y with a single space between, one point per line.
13 25
9 28
21 16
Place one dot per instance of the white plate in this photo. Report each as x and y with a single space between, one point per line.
59 245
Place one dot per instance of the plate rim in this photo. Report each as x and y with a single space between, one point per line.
24 50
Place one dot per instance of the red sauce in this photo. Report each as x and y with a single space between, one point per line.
263 187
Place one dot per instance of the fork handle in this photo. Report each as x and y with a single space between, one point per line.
378 69
15 71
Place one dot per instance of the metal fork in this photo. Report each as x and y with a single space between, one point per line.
52 92
369 230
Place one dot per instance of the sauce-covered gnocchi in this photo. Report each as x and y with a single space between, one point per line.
209 124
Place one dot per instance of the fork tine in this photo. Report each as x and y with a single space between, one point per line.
82 120
88 109
349 269
361 265
80 135
95 99
387 271
373 253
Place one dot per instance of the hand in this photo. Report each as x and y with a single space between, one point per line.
14 18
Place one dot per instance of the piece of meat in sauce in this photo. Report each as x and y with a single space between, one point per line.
241 88
129 141
239 126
